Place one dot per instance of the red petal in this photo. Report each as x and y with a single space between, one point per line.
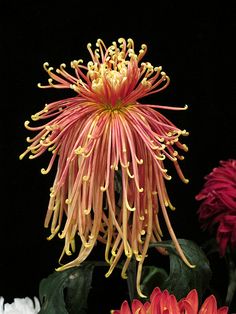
156 291
209 306
125 309
223 310
185 307
192 298
137 307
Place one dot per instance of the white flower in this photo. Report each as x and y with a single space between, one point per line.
20 306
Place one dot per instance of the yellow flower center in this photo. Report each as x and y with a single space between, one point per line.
113 77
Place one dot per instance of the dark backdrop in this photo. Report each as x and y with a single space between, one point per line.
193 43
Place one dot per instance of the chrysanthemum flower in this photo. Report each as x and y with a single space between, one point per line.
103 133
165 303
218 207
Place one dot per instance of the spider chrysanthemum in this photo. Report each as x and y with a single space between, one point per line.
101 136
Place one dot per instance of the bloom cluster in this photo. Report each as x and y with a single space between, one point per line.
161 302
218 207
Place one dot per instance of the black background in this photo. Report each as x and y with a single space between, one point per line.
194 44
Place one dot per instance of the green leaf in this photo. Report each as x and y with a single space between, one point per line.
151 278
66 291
182 278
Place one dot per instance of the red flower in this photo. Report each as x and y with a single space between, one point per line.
218 206
165 303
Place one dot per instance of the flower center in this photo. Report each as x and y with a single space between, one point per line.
118 108
104 75
113 75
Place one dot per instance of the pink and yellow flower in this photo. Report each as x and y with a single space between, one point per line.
101 132
165 303
218 207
